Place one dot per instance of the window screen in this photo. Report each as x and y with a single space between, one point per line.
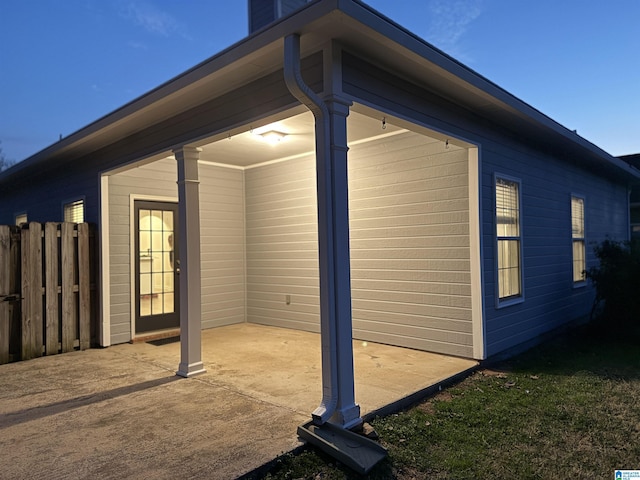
21 218
74 212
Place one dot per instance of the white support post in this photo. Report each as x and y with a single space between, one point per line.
338 387
104 332
189 255
335 267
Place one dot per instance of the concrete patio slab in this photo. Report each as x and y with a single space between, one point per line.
121 412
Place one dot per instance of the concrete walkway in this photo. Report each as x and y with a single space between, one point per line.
121 412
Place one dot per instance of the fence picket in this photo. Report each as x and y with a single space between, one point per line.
51 253
26 343
84 286
15 307
32 330
69 314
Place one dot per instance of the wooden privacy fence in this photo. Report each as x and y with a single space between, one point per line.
45 289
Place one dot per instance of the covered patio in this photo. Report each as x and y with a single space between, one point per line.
121 412
399 267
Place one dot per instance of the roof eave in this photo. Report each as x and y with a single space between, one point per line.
241 51
353 15
507 102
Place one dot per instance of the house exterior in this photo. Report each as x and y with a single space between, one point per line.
334 173
634 197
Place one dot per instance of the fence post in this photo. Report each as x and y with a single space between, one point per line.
5 272
32 291
51 253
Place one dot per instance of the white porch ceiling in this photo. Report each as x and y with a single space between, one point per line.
249 148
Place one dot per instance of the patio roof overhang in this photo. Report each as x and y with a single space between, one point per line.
358 28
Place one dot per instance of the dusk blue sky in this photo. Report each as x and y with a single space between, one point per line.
66 63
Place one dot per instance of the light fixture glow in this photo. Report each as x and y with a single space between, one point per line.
273 136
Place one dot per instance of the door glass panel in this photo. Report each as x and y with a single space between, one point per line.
168 302
168 282
156 262
156 304
167 217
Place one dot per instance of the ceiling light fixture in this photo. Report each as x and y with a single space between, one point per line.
273 136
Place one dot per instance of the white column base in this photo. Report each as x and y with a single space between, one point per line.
347 418
190 370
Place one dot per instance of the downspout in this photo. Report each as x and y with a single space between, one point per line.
306 96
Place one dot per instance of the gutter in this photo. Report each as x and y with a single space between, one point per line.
306 96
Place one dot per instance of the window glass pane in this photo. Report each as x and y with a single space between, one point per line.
156 286
145 244
168 302
157 304
579 262
168 282
156 221
145 283
168 220
577 217
167 255
156 242
145 219
74 212
507 209
509 268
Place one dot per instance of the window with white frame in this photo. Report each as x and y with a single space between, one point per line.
577 234
21 218
508 239
74 211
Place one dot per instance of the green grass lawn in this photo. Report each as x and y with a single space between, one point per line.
569 409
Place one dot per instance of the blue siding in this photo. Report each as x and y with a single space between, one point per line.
550 298
548 180
42 198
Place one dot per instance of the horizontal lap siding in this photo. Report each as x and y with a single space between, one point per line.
222 240
550 298
155 179
409 215
409 244
222 245
282 245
